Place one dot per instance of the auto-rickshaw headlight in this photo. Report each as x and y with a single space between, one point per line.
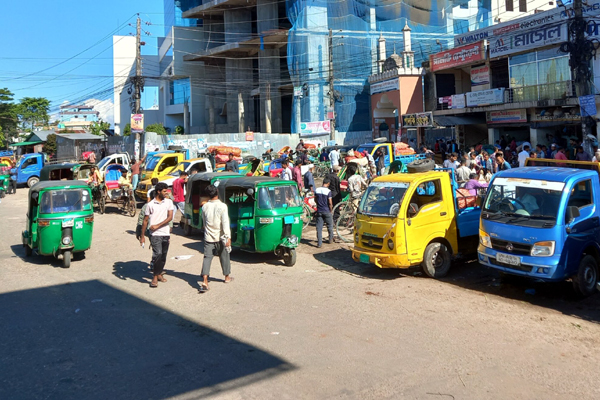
266 220
66 240
294 239
390 244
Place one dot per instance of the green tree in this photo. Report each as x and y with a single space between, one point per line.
97 127
127 130
2 139
8 113
50 145
32 110
179 130
158 128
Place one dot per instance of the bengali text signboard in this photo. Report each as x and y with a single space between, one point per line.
458 56
417 120
485 97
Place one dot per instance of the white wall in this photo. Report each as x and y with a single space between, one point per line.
123 67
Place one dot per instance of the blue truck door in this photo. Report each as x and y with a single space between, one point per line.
585 228
30 167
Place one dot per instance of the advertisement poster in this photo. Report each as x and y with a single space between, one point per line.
485 97
137 123
249 136
588 105
385 86
507 116
458 56
418 120
314 128
480 75
458 101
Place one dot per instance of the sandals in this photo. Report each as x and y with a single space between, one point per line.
153 285
230 280
203 288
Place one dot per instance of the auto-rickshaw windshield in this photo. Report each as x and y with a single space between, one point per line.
62 201
273 197
383 198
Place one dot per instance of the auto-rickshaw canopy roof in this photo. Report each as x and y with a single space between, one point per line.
208 176
61 166
42 185
250 182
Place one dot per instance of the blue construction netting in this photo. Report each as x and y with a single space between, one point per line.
357 26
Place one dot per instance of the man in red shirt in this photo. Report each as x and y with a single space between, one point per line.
179 192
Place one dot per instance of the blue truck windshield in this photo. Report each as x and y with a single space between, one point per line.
524 202
369 149
383 198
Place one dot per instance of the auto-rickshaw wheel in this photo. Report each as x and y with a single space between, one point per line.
131 208
289 257
67 259
187 228
2 194
28 251
102 203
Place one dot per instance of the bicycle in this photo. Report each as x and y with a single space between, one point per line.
345 221
321 169
309 209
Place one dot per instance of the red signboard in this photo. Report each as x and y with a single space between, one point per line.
249 136
458 56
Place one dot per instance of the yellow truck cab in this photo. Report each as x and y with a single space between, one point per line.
412 219
160 165
199 164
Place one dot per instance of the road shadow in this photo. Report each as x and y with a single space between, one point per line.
135 270
341 260
469 274
88 340
36 259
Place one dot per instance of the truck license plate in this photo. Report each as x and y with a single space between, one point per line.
67 223
364 258
508 259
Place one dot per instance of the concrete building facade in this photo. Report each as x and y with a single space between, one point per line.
77 117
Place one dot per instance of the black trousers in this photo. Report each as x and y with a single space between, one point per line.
160 247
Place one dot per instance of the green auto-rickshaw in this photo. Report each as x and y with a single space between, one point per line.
60 219
265 215
69 172
4 179
195 197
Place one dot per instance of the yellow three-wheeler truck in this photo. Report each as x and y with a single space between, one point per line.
412 219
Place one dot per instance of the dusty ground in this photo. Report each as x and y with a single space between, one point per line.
326 328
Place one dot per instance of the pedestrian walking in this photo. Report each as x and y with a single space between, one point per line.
324 201
92 158
159 212
297 175
334 157
286 173
217 236
335 186
179 192
309 180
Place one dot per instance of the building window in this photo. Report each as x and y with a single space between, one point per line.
509 5
461 26
541 75
523 5
179 91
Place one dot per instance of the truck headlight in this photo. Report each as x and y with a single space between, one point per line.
356 237
390 244
484 239
543 249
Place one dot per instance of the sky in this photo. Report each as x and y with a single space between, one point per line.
62 49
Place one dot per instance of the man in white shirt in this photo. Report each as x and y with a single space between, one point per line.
452 162
158 214
286 174
334 157
462 173
524 155
217 236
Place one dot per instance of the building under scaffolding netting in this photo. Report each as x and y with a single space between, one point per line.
356 27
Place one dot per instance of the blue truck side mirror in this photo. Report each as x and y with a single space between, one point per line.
572 213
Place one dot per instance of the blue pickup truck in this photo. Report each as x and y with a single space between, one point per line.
543 222
28 169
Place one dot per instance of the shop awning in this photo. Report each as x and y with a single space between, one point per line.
25 144
452 120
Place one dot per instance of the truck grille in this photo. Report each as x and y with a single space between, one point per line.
372 242
524 268
511 247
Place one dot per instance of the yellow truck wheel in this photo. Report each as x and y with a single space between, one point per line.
436 260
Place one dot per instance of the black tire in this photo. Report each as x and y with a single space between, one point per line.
187 228
28 251
67 259
344 226
102 203
2 194
32 181
436 260
586 279
339 209
424 165
289 257
131 207
306 216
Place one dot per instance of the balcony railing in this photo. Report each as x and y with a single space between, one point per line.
546 91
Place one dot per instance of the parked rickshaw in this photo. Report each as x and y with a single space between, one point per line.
195 197
60 219
4 179
68 172
265 215
115 193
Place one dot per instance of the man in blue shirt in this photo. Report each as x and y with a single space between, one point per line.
324 202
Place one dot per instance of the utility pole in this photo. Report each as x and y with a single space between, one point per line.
138 66
331 90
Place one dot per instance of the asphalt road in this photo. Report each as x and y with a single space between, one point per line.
325 328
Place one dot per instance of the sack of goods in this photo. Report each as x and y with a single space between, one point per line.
223 158
225 150
363 162
403 149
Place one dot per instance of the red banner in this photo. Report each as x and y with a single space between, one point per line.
458 56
